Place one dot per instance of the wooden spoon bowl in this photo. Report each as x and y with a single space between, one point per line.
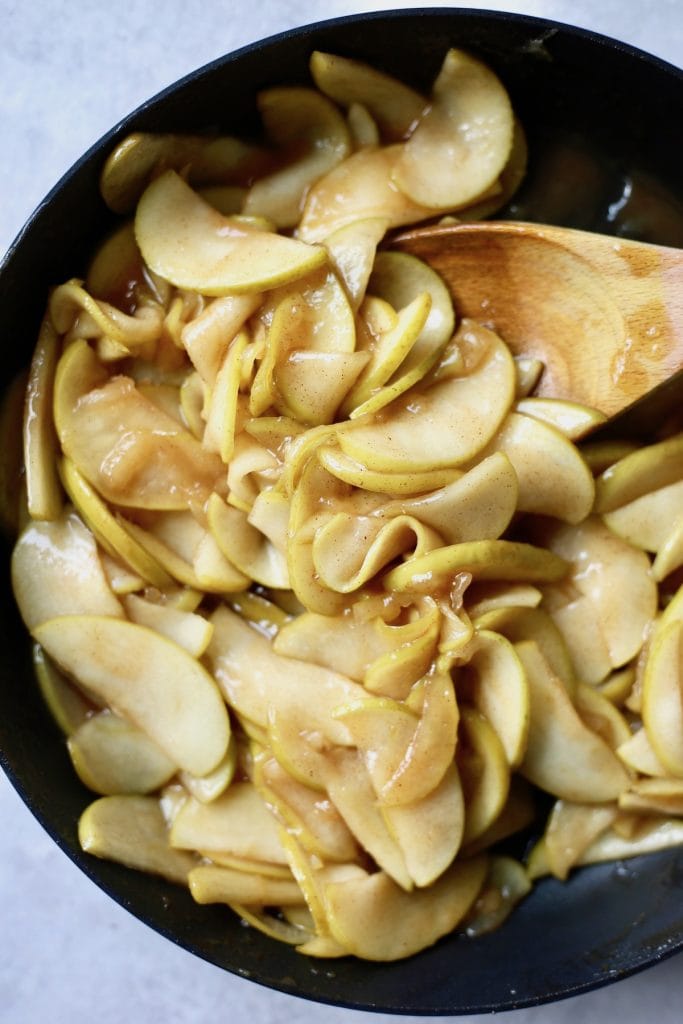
604 314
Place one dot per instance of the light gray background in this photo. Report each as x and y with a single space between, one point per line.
69 72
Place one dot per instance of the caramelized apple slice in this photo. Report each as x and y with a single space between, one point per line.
190 244
149 679
462 140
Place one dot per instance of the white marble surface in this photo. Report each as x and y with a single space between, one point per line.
68 72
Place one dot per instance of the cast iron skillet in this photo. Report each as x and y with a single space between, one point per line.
595 111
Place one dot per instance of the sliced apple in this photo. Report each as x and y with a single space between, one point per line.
211 883
507 883
111 530
553 477
43 492
444 425
133 162
209 787
147 678
617 580
358 188
495 683
430 831
238 823
571 418
462 140
110 756
584 640
312 137
362 127
484 772
639 472
374 919
187 242
67 705
190 631
207 336
646 522
56 571
654 796
351 250
484 559
394 105
610 846
245 546
122 443
131 830
670 554
344 468
536 624
571 829
256 681
662 707
563 756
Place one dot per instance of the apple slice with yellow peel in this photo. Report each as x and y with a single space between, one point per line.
43 492
238 823
344 468
111 531
430 831
654 796
477 506
432 746
312 137
494 682
375 919
600 715
445 424
646 522
223 404
670 554
256 681
571 829
358 188
382 730
617 580
207 336
507 883
193 632
553 477
352 793
67 705
122 443
212 883
484 772
56 571
132 164
572 419
315 821
206 788
351 251
187 242
148 679
563 756
662 706
245 546
393 105
131 830
639 472
462 140
110 756
484 559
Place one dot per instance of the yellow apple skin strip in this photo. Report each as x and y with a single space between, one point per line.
43 491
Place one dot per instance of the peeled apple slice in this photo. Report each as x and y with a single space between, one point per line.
147 678
375 919
639 472
132 831
463 139
443 425
187 242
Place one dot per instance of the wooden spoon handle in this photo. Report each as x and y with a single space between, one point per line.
605 315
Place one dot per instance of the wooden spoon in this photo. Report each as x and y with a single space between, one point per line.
605 315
